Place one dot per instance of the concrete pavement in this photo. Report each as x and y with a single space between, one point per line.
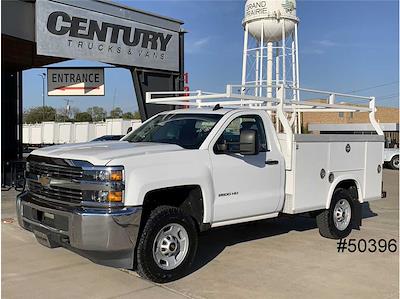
275 258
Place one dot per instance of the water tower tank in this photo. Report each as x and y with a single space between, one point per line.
270 15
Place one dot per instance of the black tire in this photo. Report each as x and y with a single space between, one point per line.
325 220
394 163
160 217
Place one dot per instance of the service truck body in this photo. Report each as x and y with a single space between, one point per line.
213 167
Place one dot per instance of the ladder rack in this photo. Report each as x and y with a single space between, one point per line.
286 111
279 104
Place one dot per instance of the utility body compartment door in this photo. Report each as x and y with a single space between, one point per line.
246 185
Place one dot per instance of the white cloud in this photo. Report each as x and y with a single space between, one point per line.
197 45
325 43
201 42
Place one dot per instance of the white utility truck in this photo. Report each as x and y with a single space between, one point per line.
230 158
391 157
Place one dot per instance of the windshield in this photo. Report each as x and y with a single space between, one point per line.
184 129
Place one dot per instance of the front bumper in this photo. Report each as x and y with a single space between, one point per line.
107 237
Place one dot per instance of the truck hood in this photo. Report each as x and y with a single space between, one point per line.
101 152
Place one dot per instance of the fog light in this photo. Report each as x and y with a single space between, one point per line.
100 196
115 196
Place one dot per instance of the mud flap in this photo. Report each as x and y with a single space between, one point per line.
357 219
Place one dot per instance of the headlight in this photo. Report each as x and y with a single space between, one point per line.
104 175
109 182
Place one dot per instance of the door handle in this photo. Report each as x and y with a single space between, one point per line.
271 162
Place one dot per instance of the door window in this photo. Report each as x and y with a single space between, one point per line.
245 122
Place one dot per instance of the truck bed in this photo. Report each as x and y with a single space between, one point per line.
343 156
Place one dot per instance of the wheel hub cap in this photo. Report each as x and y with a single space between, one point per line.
342 214
396 162
170 246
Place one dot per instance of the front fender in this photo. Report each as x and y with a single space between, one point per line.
186 169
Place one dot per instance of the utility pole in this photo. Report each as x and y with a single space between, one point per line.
67 108
43 75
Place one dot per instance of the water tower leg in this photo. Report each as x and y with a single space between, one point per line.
277 74
269 70
260 93
244 65
283 56
257 71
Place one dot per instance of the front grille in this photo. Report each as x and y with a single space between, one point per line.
54 169
60 194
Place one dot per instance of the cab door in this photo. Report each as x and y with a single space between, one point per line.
245 185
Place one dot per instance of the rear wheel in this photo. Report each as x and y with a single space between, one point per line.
394 163
337 221
167 246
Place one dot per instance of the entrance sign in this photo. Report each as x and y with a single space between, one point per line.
75 82
73 32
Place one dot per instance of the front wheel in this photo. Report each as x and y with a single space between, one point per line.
167 245
394 163
337 221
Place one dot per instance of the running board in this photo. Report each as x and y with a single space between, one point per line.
247 219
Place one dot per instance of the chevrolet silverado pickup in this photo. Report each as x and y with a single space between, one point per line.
142 201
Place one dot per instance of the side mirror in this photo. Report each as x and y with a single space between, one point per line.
221 148
249 143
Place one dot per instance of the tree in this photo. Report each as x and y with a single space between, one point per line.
63 115
128 115
83 116
39 114
116 112
97 113
136 115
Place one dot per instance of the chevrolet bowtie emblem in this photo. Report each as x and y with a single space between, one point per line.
44 181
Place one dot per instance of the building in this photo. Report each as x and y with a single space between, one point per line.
39 33
354 123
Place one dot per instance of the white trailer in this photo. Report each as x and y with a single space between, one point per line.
66 132
26 133
50 132
117 126
36 132
84 132
100 129
135 123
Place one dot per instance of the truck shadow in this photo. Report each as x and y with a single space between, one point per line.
213 242
366 211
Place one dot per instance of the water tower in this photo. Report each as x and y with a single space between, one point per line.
270 52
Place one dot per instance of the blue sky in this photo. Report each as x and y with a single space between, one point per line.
343 46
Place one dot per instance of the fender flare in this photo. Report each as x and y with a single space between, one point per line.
337 181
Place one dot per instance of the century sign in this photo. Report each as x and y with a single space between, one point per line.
75 82
72 32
